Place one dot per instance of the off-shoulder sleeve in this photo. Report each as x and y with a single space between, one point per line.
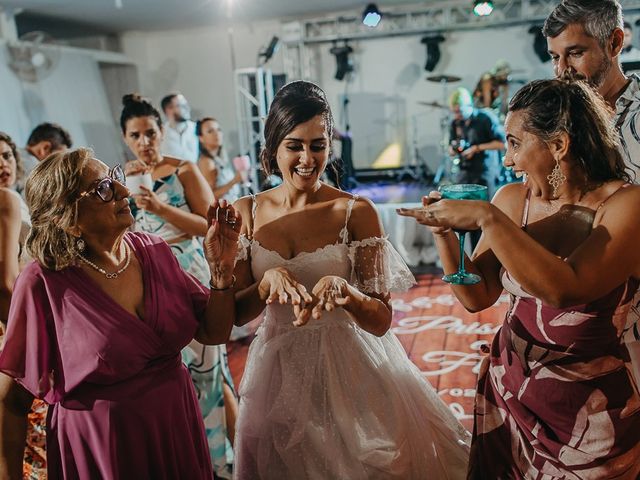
376 267
28 350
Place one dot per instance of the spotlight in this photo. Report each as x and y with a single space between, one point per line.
344 64
268 52
371 16
482 9
433 51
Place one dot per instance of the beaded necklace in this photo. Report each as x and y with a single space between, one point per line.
113 275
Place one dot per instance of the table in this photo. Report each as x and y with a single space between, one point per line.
414 242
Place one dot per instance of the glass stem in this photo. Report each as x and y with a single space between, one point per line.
461 270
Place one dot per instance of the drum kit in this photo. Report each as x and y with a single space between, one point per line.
448 165
444 169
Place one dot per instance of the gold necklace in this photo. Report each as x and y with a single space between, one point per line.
113 275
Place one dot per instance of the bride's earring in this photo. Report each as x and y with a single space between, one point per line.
556 178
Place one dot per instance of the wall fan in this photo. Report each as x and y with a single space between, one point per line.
34 56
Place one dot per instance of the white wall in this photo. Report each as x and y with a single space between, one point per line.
388 82
390 79
72 95
198 63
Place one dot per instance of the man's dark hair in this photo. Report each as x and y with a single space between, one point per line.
599 18
164 103
52 133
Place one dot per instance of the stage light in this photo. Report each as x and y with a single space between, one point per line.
482 9
268 52
371 16
433 50
344 64
540 43
390 157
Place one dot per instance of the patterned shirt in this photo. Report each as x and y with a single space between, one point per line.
628 124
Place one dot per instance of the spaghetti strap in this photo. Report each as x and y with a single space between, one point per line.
344 233
254 207
624 185
525 211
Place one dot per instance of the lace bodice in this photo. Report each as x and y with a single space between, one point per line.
371 265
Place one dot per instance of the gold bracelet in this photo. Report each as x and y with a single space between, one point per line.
233 284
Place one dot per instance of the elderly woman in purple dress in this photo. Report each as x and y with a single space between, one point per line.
96 326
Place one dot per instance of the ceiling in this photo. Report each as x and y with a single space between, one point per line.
123 15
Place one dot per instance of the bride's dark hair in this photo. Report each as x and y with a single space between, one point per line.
295 103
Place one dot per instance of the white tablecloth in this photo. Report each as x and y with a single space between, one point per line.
412 240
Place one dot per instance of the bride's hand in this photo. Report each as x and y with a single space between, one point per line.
278 284
330 292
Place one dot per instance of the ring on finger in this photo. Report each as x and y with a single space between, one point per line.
231 220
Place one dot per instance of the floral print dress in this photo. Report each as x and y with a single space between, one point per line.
555 398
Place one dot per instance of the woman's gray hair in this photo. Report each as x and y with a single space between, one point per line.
51 193
599 18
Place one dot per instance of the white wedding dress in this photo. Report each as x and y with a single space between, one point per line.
331 401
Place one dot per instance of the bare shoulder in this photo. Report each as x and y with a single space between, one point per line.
364 207
365 221
622 204
244 205
183 166
510 200
9 202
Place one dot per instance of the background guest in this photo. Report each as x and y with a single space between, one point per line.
180 139
45 139
482 136
14 222
175 210
214 161
629 52
14 227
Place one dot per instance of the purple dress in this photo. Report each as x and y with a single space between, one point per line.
123 404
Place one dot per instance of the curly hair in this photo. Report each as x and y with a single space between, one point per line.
16 154
51 193
295 103
569 105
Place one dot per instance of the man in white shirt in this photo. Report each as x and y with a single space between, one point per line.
587 36
180 139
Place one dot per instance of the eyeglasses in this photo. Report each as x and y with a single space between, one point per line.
105 189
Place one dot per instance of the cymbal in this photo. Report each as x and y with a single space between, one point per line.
433 104
444 78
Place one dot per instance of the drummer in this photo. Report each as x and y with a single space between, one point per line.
481 136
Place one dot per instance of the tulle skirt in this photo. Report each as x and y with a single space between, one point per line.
330 401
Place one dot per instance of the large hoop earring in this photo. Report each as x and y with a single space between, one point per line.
556 178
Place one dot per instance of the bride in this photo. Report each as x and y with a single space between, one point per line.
328 391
